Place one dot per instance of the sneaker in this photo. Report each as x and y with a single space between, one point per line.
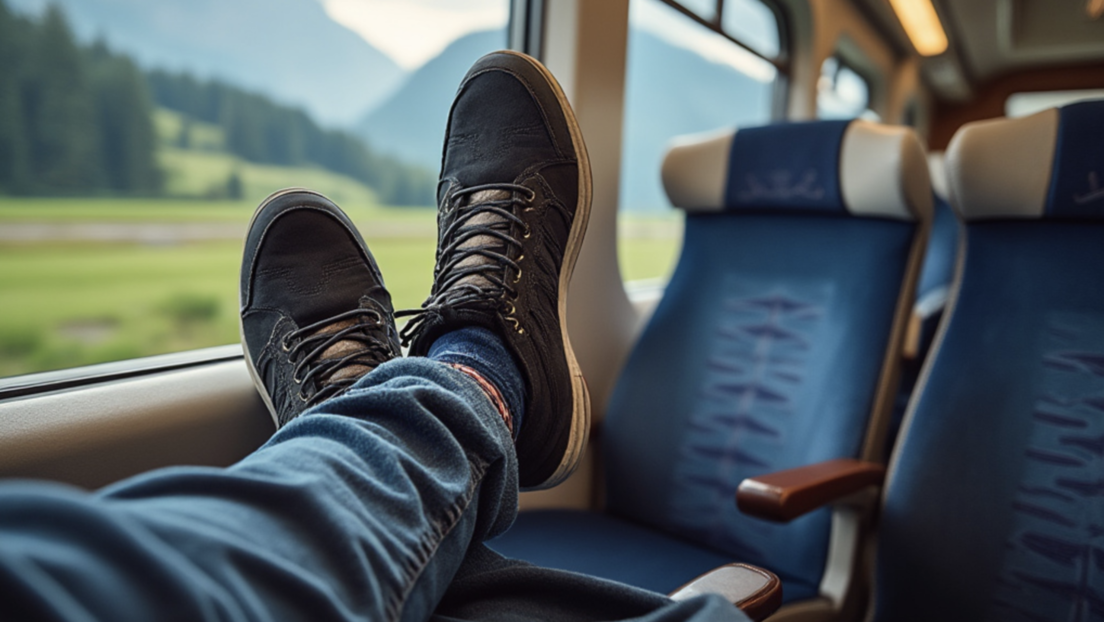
514 199
315 316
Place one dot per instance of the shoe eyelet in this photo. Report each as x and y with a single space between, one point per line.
517 278
512 309
528 232
284 345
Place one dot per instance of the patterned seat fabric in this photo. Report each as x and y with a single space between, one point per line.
932 289
994 508
765 353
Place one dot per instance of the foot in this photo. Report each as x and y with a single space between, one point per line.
514 199
315 316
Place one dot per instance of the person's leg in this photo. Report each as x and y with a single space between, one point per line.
374 503
514 199
514 202
361 510
364 508
491 588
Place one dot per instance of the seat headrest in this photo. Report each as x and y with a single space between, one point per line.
843 168
1047 165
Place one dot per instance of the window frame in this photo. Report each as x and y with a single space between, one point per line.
781 62
24 385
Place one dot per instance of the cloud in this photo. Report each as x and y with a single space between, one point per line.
414 31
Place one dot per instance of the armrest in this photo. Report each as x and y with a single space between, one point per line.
785 495
755 591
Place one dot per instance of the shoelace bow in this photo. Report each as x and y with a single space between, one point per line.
373 336
494 293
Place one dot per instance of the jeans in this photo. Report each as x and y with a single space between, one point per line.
372 506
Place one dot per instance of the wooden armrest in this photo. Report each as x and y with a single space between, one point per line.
785 495
755 591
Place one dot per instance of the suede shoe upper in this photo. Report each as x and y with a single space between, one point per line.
513 202
315 316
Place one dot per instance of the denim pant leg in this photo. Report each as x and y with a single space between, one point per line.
492 588
373 506
362 509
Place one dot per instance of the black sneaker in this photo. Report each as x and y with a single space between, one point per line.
514 199
315 316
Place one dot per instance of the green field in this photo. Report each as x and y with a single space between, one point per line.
69 303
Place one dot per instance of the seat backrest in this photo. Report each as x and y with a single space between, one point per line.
801 249
994 508
939 259
932 290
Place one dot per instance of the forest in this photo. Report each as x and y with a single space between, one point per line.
78 120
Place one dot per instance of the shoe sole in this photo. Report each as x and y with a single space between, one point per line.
265 397
580 418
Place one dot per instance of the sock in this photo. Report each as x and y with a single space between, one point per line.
480 350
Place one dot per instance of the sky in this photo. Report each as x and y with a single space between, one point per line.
412 32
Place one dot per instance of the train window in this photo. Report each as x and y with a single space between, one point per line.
706 9
842 92
753 23
682 76
134 146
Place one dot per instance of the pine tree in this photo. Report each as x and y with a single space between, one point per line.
124 116
13 141
60 112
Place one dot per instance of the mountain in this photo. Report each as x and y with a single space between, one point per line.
287 49
670 91
411 124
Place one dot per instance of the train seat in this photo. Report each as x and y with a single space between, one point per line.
773 347
936 276
994 506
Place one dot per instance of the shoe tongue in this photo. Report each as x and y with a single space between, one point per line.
482 219
340 349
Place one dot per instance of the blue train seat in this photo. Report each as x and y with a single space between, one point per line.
994 505
775 345
936 276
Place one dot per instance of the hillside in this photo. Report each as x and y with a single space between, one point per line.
670 90
287 49
411 124
196 165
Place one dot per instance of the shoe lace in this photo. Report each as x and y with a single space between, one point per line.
473 273
362 340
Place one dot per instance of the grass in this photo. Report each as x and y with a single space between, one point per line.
201 174
70 304
170 125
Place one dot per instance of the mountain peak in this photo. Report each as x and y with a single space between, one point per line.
288 49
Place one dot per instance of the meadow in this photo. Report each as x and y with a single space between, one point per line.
66 301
